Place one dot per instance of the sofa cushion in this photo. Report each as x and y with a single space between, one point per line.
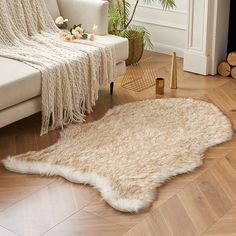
53 8
20 82
121 45
86 12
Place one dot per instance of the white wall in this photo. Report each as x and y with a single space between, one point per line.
168 28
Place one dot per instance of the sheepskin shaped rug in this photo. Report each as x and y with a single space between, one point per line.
132 150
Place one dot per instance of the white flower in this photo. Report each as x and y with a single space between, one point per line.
78 35
66 20
69 38
79 29
91 37
59 20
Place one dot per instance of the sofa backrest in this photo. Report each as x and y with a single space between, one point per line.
53 8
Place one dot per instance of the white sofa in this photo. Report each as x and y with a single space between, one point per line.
20 84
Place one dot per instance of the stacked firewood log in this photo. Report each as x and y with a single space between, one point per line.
228 68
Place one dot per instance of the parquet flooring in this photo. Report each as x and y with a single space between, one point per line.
199 203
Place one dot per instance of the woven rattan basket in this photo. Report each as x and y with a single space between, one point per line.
136 47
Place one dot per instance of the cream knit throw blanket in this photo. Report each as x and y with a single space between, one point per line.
71 72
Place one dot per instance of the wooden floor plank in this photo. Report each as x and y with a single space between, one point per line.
15 187
154 224
197 208
231 158
127 220
226 226
226 177
171 212
84 223
214 193
44 209
5 232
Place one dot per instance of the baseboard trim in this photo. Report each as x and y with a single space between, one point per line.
196 63
168 49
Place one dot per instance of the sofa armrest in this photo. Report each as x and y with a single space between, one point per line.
86 12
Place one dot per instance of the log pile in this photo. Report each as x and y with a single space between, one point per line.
228 68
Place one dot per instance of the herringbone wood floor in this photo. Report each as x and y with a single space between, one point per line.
198 203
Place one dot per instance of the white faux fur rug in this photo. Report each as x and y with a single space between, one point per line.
132 150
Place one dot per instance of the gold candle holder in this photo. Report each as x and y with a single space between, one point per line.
160 84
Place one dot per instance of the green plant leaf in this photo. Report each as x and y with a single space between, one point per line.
166 4
119 19
140 32
85 36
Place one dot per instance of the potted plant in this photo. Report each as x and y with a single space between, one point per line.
120 18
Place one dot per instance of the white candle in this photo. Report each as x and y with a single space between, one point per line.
95 27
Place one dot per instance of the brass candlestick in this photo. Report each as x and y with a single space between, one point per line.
173 74
160 84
